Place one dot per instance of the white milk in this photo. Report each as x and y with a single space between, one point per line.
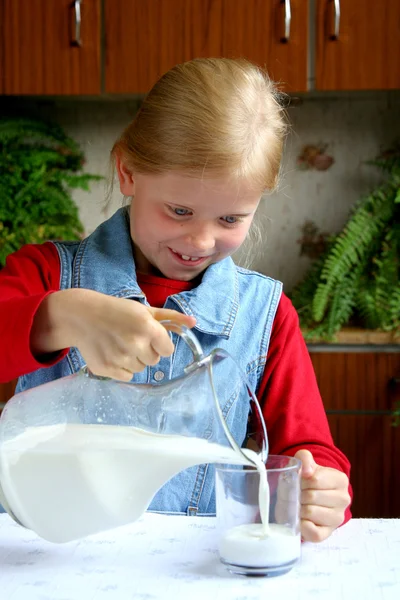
262 544
68 481
248 546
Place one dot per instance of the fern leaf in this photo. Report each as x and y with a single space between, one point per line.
352 244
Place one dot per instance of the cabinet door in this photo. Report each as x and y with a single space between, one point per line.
359 390
145 39
373 448
51 46
358 44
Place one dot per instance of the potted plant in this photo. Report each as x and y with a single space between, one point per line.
355 280
39 166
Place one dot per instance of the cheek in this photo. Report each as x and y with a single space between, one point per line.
146 226
233 238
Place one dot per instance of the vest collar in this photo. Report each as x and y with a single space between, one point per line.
104 261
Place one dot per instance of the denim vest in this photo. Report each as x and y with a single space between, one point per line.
234 310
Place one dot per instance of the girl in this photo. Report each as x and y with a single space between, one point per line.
205 145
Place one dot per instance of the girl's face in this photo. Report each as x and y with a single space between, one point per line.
180 225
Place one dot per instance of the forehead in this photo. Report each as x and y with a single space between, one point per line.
179 188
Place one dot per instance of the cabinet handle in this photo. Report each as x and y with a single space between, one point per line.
336 20
78 20
287 21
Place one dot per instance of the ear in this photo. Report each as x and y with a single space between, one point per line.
126 183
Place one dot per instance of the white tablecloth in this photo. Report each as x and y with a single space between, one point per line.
175 558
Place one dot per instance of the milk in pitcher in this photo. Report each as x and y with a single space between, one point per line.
68 481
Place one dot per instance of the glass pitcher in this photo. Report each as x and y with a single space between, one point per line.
83 454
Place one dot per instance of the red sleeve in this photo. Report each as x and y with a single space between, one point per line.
289 396
30 274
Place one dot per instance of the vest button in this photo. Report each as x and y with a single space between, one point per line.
159 375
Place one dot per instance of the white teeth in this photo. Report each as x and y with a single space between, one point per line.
185 257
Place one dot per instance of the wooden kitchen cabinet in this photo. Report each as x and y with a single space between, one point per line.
45 51
145 39
365 55
359 390
128 44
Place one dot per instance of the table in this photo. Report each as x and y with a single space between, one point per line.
173 557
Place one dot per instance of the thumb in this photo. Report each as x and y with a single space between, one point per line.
308 463
177 318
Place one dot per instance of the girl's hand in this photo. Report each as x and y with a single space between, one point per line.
324 498
116 337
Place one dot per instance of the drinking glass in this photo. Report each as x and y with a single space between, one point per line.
247 546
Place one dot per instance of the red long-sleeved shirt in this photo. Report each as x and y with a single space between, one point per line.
288 394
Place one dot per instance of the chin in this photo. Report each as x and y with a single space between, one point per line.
184 276
188 276
181 276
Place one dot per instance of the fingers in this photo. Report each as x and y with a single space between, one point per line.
143 353
120 374
325 478
165 314
149 348
161 342
116 371
321 516
141 356
308 465
119 337
326 498
310 532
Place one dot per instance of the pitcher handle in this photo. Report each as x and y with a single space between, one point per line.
188 336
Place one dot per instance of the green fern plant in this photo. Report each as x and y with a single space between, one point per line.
357 278
39 166
396 415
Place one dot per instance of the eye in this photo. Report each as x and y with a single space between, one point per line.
179 212
230 220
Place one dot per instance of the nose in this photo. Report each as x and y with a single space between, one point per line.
201 239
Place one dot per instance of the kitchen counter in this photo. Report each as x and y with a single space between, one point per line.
162 557
353 336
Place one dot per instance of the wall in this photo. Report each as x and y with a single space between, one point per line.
354 126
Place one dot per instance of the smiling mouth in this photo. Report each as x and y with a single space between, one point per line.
188 260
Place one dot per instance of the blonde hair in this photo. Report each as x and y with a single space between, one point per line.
208 117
